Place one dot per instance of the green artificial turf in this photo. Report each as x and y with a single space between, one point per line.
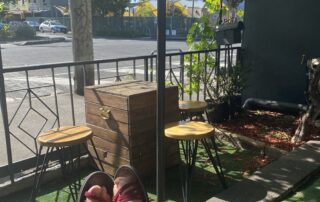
309 192
205 183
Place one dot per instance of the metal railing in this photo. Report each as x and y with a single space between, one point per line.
32 96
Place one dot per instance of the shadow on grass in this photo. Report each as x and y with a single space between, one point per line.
205 183
54 191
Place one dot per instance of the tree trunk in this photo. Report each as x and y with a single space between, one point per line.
303 126
313 96
233 15
82 45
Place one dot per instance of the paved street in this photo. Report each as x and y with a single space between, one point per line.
14 55
17 55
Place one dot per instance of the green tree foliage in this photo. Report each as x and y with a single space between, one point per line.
109 7
173 9
5 32
2 10
145 9
4 7
232 7
9 1
201 37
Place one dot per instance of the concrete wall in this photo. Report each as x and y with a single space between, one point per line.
277 33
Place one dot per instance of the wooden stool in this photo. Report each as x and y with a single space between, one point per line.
189 134
189 109
61 139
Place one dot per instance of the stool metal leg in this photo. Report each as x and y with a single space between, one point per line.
216 163
190 153
37 177
71 171
213 140
79 165
64 170
96 153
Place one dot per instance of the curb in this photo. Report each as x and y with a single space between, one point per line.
42 41
277 180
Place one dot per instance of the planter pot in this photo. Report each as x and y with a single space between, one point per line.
227 108
217 111
234 105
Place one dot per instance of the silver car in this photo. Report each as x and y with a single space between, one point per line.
33 24
52 26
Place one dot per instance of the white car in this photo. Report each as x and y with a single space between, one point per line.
52 26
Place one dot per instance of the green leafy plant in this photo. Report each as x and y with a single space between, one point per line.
230 81
5 33
200 37
202 68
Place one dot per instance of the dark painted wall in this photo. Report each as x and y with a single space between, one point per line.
277 33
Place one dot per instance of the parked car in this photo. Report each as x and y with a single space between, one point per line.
33 24
52 26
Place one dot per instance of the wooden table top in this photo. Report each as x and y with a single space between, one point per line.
192 106
188 130
65 136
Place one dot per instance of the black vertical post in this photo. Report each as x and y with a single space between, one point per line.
220 13
5 118
161 62
146 69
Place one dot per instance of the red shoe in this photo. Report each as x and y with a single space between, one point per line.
128 186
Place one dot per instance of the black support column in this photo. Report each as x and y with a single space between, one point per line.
161 62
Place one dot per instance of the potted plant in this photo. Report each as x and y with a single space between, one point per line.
221 85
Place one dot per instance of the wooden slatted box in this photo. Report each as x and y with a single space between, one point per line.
122 116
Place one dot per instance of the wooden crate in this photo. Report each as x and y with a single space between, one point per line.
128 135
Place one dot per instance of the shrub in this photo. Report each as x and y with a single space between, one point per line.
24 32
5 33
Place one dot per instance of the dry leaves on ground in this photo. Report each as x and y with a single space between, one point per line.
273 128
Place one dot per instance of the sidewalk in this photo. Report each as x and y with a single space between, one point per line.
34 121
275 181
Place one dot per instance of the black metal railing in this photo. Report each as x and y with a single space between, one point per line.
41 97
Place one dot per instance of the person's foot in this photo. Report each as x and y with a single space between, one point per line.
97 194
97 187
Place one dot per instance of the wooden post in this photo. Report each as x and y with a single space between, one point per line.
82 45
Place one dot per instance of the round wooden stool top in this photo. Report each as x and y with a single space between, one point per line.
192 106
65 136
188 130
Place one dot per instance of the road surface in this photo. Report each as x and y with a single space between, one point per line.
15 55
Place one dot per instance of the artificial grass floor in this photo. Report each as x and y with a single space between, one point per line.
309 192
205 183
